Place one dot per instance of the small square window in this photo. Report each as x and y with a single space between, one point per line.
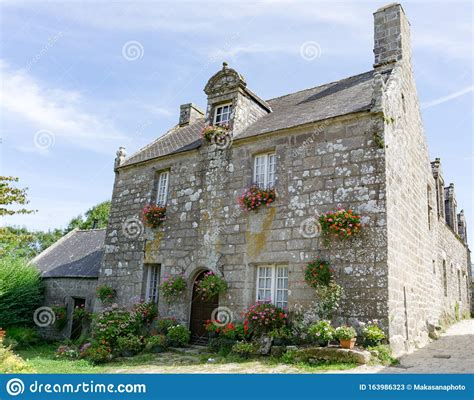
222 114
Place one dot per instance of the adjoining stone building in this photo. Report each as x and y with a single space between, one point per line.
357 142
70 271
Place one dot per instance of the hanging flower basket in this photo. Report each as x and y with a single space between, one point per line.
342 224
215 133
318 273
256 196
173 287
106 294
210 286
153 215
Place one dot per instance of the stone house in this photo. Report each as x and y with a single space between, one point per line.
358 143
70 271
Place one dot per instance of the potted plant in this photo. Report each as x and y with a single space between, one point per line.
61 317
106 294
372 333
153 215
157 344
212 328
318 273
346 336
215 133
322 332
211 285
255 196
341 223
172 287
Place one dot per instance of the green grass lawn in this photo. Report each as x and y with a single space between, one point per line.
42 359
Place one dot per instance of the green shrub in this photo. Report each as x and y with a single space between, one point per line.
112 323
322 332
318 272
20 292
67 352
243 349
145 312
96 353
130 343
372 333
289 357
382 354
106 294
265 317
21 337
156 343
164 324
178 335
10 363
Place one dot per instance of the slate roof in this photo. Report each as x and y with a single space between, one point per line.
333 99
78 254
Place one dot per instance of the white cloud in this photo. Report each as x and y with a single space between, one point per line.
60 112
447 98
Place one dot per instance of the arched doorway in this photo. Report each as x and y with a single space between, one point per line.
201 311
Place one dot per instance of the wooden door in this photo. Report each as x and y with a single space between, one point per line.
201 311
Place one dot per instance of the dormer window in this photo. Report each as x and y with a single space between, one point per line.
222 114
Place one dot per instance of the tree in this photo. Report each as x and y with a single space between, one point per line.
96 217
12 196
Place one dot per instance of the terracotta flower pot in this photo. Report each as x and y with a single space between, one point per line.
347 343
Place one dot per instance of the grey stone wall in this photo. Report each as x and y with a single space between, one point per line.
60 292
319 167
418 237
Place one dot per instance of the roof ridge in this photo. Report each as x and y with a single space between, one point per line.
315 87
92 229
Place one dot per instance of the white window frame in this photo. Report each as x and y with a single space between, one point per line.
264 170
162 188
277 274
152 282
219 112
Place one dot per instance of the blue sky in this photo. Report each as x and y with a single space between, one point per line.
73 90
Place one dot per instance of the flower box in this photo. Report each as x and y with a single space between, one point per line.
153 215
342 224
216 134
255 196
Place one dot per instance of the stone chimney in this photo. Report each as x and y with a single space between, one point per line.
121 155
462 228
188 113
391 35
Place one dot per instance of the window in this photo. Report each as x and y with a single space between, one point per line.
445 279
264 171
162 192
222 115
272 285
152 282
